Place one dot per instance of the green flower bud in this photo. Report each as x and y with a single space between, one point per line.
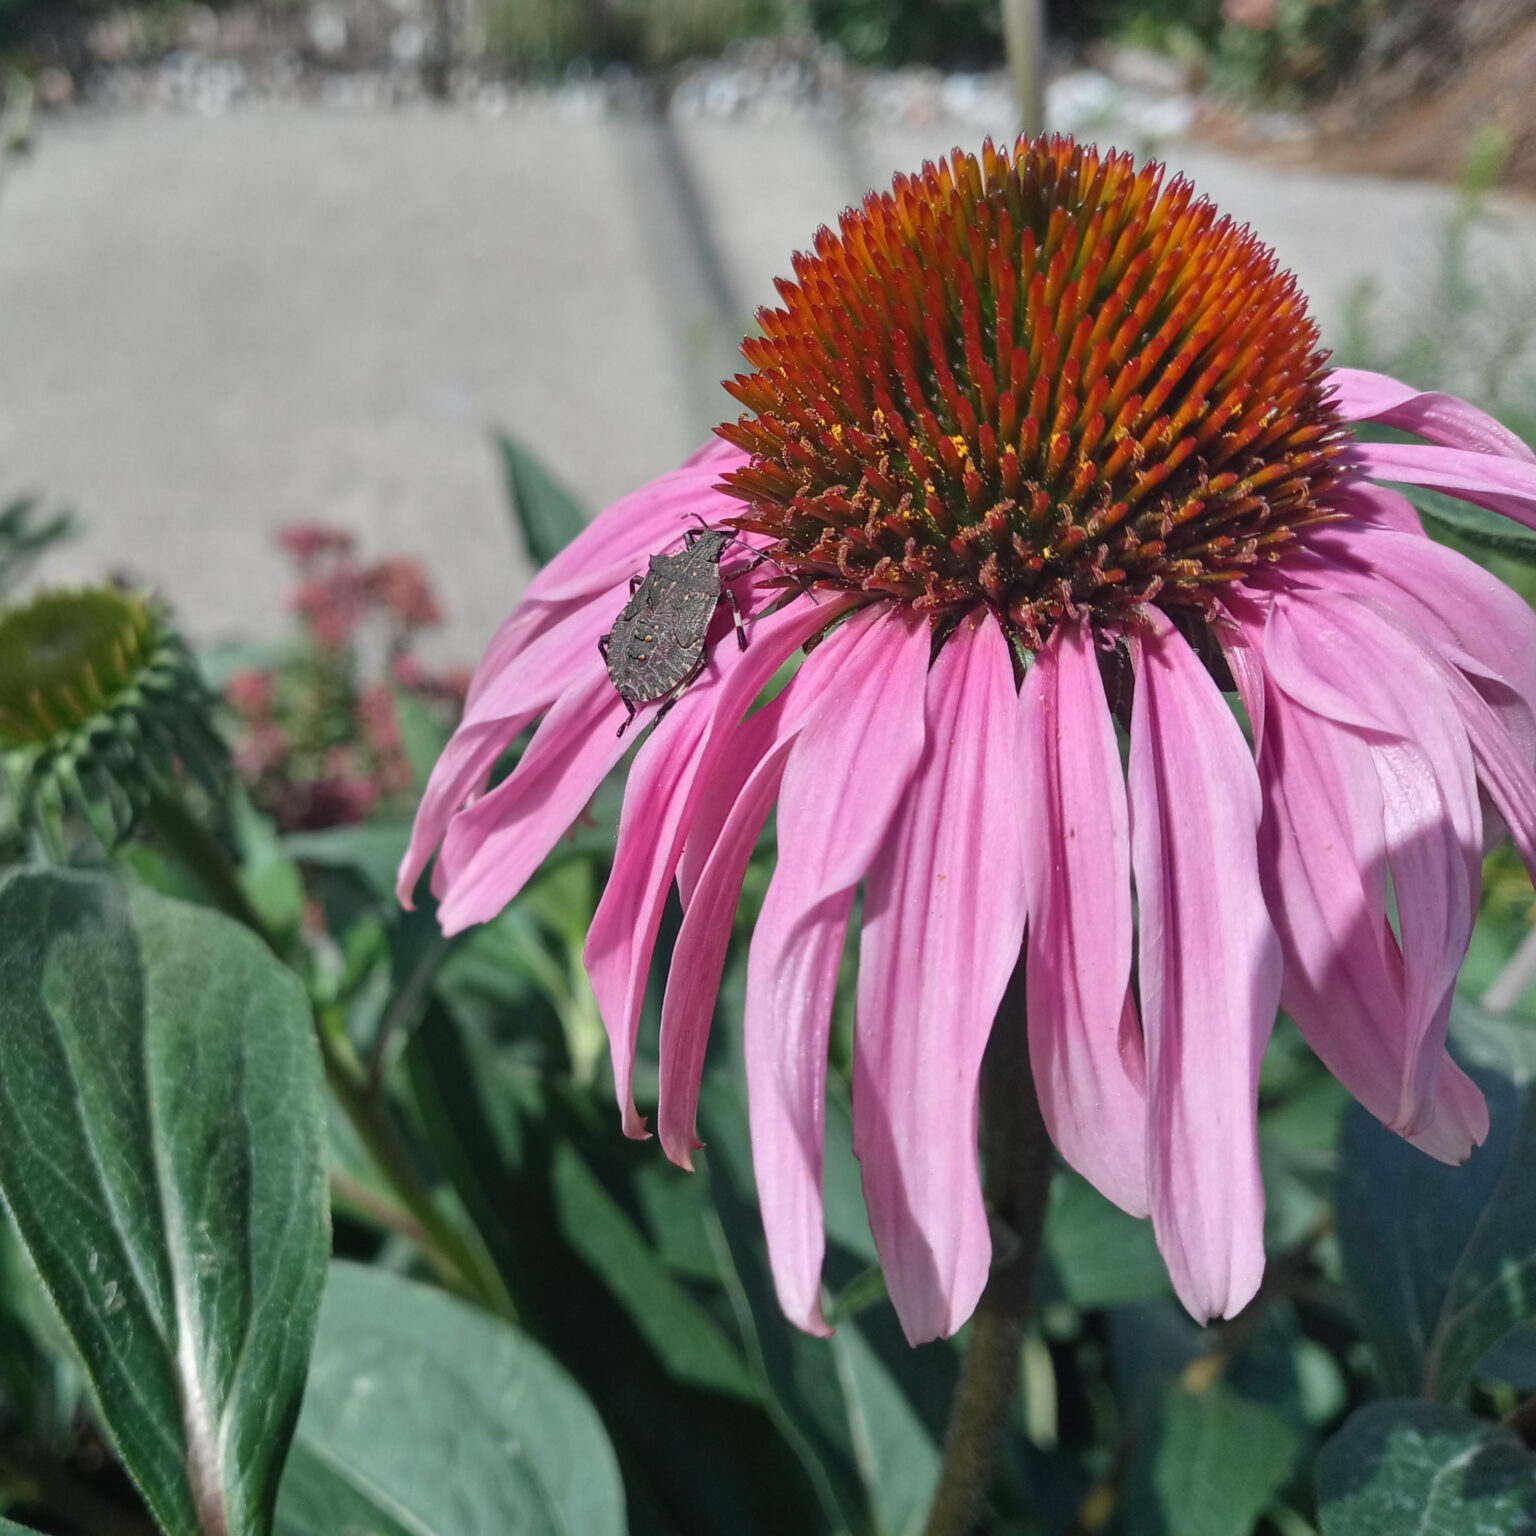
102 707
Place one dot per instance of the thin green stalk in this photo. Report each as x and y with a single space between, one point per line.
405 1008
186 837
1018 1159
381 1137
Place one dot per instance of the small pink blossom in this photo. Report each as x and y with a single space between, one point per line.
402 587
250 692
307 542
1259 14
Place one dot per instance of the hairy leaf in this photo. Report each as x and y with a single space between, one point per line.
161 1126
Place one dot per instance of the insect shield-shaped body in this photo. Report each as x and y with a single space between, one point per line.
656 646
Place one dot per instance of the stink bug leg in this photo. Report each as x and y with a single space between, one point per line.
741 633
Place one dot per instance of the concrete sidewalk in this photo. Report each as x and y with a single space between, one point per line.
216 326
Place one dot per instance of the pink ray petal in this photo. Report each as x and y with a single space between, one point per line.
1477 621
492 847
782 715
1445 419
546 666
1374 504
693 982
1319 647
665 784
847 774
1245 662
943 924
1507 486
617 542
524 625
1210 973
732 808
1077 877
532 681
1503 758
1461 1117
1323 862
613 547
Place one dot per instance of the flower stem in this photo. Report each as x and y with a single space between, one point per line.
186 837
1017 1159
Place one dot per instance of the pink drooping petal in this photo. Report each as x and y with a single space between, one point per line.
693 982
529 684
753 738
1077 879
617 542
1245 661
1473 618
614 546
1507 486
1505 763
1209 973
1461 1117
822 670
1376 505
943 924
664 787
732 808
1340 659
848 771
492 847
1323 861
1445 419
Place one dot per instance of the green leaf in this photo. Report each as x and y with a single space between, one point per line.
1471 524
1103 1257
24 536
686 1339
548 514
268 874
1422 1469
425 1416
373 848
422 736
1221 1460
1441 1262
161 1124
1493 1288
897 1455
10 1525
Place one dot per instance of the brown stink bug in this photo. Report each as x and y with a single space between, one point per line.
656 646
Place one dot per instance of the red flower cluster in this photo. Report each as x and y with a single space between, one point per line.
320 742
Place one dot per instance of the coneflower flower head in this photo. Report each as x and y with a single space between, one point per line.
101 706
1053 385
1038 445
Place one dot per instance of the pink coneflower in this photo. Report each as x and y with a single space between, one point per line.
1058 450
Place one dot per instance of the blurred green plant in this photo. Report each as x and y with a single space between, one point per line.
1276 52
25 533
953 32
1469 328
543 37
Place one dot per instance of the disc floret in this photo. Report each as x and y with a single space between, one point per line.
1048 382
